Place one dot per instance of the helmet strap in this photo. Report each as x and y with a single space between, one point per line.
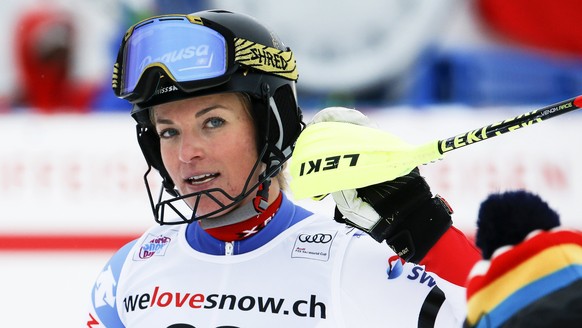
261 200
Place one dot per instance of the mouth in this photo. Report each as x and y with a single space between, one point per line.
201 179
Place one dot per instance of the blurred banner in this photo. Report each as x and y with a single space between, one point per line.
83 174
71 174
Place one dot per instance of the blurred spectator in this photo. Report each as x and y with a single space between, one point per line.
44 46
531 274
541 24
530 54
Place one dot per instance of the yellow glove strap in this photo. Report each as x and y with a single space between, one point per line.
333 156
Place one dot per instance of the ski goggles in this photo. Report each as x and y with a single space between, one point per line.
191 54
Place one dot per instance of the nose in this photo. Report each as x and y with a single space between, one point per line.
191 148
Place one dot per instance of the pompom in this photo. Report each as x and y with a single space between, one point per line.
507 218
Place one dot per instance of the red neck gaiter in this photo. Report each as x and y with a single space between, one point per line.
247 228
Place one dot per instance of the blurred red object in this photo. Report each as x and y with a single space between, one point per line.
543 24
44 45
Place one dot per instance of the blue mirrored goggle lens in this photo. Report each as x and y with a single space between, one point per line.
189 52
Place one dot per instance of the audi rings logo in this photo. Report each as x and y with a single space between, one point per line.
314 246
318 238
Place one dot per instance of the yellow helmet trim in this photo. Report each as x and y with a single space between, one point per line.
266 59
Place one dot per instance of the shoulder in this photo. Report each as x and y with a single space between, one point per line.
103 302
106 286
372 266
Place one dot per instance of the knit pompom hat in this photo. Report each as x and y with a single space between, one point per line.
529 281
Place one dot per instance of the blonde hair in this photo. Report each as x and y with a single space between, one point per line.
282 178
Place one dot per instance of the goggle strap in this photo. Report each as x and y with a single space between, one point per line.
266 59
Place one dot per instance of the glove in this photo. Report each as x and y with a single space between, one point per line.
402 212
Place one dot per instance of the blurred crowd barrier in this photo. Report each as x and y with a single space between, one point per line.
82 175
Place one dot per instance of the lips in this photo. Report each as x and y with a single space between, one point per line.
201 179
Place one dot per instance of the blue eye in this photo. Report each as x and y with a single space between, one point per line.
214 122
167 133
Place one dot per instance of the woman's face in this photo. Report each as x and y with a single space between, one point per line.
207 142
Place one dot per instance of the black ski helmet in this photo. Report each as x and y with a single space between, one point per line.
256 63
